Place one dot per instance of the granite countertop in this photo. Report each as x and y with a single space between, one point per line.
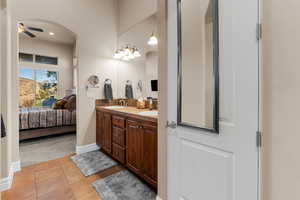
131 112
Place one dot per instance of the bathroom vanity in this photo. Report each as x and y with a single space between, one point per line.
129 135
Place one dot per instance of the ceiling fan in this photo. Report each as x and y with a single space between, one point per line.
26 30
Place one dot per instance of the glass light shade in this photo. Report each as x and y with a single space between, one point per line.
20 29
131 56
127 51
121 53
117 56
126 58
136 53
152 40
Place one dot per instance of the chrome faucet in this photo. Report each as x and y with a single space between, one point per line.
122 102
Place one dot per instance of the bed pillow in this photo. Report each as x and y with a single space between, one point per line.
71 103
60 104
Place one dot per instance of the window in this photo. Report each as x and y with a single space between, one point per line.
25 57
36 85
46 60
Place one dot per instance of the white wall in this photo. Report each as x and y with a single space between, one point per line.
63 52
132 12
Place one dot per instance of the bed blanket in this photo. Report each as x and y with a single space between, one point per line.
42 117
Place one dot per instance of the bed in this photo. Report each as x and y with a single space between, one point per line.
44 121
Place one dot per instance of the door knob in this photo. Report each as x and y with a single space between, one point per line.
171 124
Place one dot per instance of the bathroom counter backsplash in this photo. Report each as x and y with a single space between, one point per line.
129 102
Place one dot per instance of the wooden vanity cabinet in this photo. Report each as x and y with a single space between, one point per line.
131 141
118 138
99 129
103 136
134 146
142 150
149 146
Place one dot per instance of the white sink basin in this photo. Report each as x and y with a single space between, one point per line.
114 107
149 113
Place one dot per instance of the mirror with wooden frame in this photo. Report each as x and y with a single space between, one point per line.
198 63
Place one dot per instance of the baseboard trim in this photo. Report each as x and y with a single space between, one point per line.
5 183
16 166
86 148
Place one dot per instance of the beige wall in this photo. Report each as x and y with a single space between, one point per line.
133 71
162 98
5 92
1 56
63 52
138 35
194 62
132 12
151 72
94 50
281 97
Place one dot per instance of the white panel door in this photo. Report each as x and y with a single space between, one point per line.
206 166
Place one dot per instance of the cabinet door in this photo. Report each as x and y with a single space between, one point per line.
149 168
107 132
118 136
99 129
134 146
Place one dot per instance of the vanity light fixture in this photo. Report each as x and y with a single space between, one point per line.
127 50
153 41
127 53
131 56
136 52
118 54
20 29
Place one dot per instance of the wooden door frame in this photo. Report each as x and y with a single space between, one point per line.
162 98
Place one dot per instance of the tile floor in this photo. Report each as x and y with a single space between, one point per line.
58 179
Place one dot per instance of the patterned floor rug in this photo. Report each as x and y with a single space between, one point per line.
123 186
93 162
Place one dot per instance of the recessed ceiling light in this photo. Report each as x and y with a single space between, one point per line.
51 33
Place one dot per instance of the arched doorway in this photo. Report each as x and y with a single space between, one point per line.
46 91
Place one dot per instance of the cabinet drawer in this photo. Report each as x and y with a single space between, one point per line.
119 136
119 153
118 121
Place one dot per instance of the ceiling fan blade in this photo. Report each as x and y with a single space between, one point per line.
29 34
35 29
